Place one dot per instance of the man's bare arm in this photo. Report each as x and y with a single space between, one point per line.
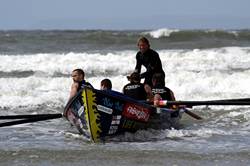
73 90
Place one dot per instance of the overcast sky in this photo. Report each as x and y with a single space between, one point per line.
125 14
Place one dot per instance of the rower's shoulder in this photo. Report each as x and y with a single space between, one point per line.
74 85
138 54
88 84
153 51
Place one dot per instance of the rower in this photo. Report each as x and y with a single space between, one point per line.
106 84
159 90
78 82
135 89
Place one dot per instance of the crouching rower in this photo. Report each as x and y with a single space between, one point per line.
160 91
135 89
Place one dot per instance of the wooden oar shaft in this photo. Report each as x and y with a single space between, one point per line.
26 116
239 99
197 103
195 116
192 114
30 120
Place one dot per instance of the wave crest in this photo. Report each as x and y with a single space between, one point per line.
163 32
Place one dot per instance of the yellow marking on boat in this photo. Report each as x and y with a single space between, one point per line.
92 116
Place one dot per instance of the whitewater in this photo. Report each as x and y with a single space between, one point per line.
198 74
35 78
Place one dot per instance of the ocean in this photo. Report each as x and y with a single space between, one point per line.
35 68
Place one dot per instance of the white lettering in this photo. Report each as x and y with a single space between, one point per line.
158 91
104 109
132 87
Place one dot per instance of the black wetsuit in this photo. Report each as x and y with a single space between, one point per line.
164 92
151 60
135 91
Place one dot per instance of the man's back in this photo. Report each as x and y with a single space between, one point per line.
135 91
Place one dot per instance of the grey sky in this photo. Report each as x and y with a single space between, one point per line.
128 14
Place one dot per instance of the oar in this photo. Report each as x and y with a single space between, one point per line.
25 116
233 101
211 102
195 116
32 119
239 99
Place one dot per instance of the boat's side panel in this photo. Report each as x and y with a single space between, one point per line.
109 114
75 114
98 114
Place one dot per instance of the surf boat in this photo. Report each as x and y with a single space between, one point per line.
99 114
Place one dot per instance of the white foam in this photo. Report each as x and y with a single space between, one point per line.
151 134
202 132
32 91
191 74
163 32
95 63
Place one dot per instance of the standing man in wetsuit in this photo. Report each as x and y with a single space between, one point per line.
149 59
79 82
